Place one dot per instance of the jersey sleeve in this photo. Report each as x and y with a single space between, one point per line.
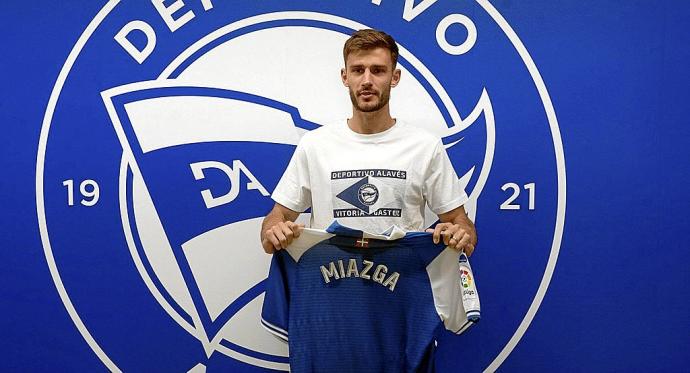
446 286
275 311
276 307
294 188
442 188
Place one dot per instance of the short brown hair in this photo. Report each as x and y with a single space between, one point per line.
369 39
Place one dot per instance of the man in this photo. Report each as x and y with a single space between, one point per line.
372 171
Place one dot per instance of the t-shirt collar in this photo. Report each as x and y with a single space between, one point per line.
374 137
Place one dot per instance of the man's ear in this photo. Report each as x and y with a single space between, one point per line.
396 77
343 76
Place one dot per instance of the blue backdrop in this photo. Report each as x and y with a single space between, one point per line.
617 76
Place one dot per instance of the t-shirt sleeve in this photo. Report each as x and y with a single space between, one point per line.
294 188
442 188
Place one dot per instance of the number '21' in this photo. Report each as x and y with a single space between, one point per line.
508 204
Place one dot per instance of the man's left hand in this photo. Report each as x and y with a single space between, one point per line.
454 236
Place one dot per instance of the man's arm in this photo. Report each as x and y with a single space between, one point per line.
457 231
278 228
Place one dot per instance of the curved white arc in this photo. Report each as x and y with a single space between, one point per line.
109 93
252 360
488 110
445 98
436 85
482 105
197 329
40 204
560 163
452 144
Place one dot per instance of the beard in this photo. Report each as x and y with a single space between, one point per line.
369 107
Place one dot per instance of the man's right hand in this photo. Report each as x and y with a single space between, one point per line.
280 236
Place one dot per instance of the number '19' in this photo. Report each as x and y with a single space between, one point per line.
88 189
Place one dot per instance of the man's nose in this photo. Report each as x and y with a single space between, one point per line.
366 79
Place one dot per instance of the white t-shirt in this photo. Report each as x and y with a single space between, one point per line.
370 182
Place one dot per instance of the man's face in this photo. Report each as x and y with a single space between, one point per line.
369 76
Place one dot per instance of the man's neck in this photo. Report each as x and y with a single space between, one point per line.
372 122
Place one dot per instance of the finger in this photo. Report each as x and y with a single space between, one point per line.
282 240
447 236
437 233
429 230
459 234
464 242
287 231
268 247
456 242
297 229
267 241
274 241
469 250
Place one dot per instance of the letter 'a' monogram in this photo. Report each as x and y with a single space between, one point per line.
233 175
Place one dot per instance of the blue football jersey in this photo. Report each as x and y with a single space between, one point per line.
347 301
